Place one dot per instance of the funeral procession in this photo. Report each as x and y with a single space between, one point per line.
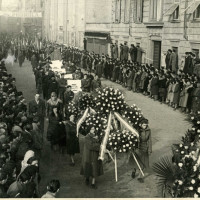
99 99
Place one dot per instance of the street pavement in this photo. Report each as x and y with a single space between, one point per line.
167 128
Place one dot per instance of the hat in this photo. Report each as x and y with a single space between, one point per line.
143 121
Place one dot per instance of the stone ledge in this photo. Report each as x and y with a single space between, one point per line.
154 24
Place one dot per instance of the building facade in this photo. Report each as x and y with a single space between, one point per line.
64 21
18 22
158 25
154 25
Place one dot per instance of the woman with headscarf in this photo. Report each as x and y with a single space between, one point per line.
91 167
24 162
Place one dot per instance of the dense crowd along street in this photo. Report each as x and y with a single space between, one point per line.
43 128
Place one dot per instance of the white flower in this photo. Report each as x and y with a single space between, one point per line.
195 168
180 164
186 147
182 152
180 182
191 188
192 144
193 181
180 145
97 128
198 190
193 152
199 177
115 143
130 142
192 118
124 150
196 195
127 145
198 122
193 129
120 150
115 148
198 131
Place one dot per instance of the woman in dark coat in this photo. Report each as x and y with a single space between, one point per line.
56 131
129 79
176 89
145 146
21 58
99 69
91 166
196 99
72 143
154 87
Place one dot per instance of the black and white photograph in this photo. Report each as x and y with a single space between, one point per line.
99 99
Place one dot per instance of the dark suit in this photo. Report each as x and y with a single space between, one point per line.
40 108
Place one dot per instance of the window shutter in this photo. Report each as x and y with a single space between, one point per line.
117 11
134 3
138 10
140 16
122 11
127 11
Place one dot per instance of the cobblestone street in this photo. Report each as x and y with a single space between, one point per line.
167 128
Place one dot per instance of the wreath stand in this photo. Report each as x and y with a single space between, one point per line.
103 149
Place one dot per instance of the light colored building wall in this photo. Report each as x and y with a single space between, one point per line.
66 19
81 16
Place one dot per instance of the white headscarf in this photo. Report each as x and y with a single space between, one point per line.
28 154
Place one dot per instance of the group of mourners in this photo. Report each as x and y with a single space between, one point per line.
177 87
22 127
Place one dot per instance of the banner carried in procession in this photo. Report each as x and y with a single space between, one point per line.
76 85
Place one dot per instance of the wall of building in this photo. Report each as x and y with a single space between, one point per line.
171 34
64 21
82 16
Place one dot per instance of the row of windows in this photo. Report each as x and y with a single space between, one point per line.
132 10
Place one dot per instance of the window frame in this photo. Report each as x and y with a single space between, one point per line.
195 13
138 15
154 15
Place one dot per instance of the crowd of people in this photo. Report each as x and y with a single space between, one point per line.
179 88
22 127
21 139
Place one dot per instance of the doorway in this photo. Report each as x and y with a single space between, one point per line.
157 54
